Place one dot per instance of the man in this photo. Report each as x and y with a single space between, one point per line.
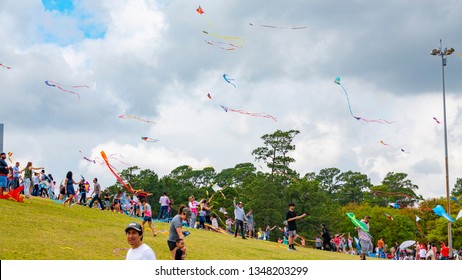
16 174
364 239
444 252
4 170
97 194
239 218
164 201
138 250
82 192
380 245
325 234
176 227
291 217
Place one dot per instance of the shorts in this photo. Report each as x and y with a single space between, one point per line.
292 233
3 181
171 245
147 219
366 246
107 203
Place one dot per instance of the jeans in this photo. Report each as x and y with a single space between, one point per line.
83 199
192 221
26 187
96 197
163 213
240 224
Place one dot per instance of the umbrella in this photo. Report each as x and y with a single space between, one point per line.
406 244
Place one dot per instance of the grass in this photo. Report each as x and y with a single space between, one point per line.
41 229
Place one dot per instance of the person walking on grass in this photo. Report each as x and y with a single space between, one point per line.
96 194
164 201
364 239
147 215
28 177
291 217
138 250
239 218
69 183
176 228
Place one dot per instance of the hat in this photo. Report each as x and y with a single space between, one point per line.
134 226
186 211
240 202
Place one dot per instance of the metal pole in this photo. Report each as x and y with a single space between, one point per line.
1 138
443 63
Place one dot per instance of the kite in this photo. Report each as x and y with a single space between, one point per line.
439 210
228 80
228 46
134 117
394 205
381 121
278 27
147 139
436 120
209 96
199 10
358 223
404 151
417 218
389 216
10 154
459 215
456 201
62 87
14 194
127 186
260 115
4 66
383 143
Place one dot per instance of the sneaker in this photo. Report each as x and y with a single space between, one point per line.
244 238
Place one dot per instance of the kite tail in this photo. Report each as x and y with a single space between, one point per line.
348 101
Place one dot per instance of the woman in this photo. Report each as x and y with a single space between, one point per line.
117 200
194 208
176 228
69 188
28 177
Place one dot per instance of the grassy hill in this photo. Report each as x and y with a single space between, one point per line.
41 229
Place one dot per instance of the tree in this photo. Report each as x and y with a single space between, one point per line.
457 190
328 179
401 189
352 187
275 152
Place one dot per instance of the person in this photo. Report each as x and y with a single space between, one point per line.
291 218
82 192
96 194
239 218
229 223
202 218
423 252
444 251
268 231
180 250
364 239
164 201
117 201
69 183
194 207
107 199
138 250
318 243
35 184
28 177
208 210
250 224
16 174
4 170
380 245
147 215
215 221
259 234
325 234
176 227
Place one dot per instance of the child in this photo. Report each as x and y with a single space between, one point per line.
318 243
214 221
202 218
180 250
147 215
229 223
35 182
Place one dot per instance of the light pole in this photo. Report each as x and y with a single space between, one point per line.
444 53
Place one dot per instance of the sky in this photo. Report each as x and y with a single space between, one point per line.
151 59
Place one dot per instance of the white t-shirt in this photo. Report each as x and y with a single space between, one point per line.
144 252
423 253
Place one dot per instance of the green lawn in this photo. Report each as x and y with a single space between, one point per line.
41 229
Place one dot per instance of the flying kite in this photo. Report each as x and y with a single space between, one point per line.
199 10
4 66
134 117
439 210
459 215
389 216
260 115
278 27
394 205
436 120
222 45
148 139
358 223
228 80
209 96
62 87
381 121
118 177
456 201
383 143
10 154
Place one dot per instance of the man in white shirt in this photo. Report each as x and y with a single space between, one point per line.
138 250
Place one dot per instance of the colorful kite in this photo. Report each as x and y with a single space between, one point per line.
10 154
381 121
209 96
278 27
147 139
14 194
118 177
358 223
459 215
134 117
260 115
439 210
389 216
62 87
4 66
383 143
222 45
199 10
436 120
228 80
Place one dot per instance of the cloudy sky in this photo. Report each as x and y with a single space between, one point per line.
151 59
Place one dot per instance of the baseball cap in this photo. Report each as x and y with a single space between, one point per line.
134 226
